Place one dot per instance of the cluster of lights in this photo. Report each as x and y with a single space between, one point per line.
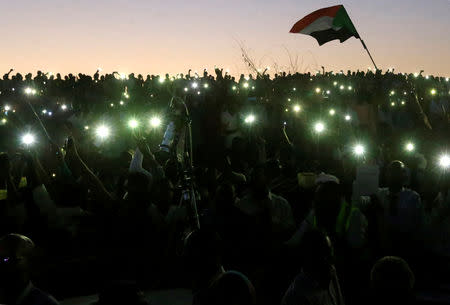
133 123
30 91
319 127
409 147
444 161
102 132
359 150
155 121
28 139
249 119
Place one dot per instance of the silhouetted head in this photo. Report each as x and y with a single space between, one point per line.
327 203
138 186
202 256
392 281
396 175
16 252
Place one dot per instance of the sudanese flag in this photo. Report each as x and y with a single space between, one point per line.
327 24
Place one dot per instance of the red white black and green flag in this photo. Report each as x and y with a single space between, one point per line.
327 24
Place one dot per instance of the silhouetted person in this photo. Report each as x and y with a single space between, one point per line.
16 252
211 284
317 283
392 282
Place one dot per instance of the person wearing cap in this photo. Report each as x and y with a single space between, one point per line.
16 252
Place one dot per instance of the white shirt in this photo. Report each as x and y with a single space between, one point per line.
280 210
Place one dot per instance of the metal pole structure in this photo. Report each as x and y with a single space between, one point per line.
368 52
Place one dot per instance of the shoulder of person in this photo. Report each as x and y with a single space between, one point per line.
279 198
411 195
39 297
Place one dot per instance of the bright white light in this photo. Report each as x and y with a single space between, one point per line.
350 87
295 89
409 146
342 87
358 150
28 90
392 92
133 123
444 161
328 92
161 79
416 74
194 85
403 102
86 127
205 86
4 121
433 91
318 90
393 104
102 132
234 88
332 112
348 117
121 103
28 139
7 108
50 113
250 119
427 77
112 105
319 127
246 85
44 111
122 76
335 84
63 107
297 108
155 121
186 89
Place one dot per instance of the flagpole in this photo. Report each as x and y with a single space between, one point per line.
368 52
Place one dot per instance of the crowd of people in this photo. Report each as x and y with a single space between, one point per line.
327 188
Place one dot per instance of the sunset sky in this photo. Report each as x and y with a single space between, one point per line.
154 36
